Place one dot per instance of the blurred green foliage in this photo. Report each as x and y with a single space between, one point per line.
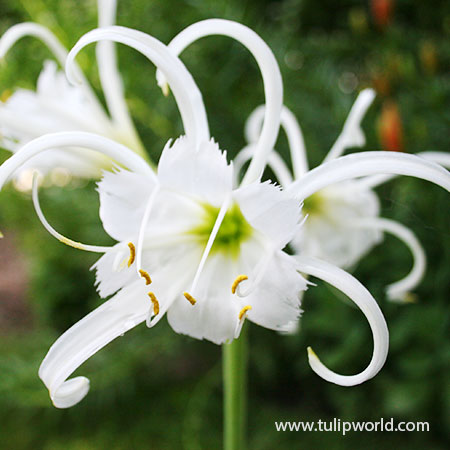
156 389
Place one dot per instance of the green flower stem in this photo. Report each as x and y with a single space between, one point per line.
235 392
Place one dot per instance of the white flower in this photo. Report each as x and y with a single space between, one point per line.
343 222
192 245
58 106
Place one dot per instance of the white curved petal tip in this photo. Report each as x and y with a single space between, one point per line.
161 81
357 293
71 392
165 89
328 375
401 296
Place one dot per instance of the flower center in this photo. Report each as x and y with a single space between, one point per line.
313 204
232 232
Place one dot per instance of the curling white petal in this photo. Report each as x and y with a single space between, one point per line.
114 150
398 291
274 161
352 135
115 317
442 158
53 232
16 32
110 77
185 90
273 87
252 127
293 132
372 181
296 142
351 287
369 163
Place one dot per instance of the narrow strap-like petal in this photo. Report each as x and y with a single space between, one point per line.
93 142
399 290
110 77
372 181
186 92
17 32
293 132
369 163
274 161
351 287
273 85
352 134
115 317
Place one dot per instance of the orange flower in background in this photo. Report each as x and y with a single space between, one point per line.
382 11
390 129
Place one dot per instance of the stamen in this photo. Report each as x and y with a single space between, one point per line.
154 302
244 311
209 244
53 232
189 298
132 253
146 216
146 276
236 282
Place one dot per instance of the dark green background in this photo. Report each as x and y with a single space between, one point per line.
155 389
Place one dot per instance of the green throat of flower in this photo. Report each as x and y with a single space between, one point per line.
233 231
313 204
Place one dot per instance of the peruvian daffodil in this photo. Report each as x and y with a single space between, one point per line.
58 106
343 221
193 245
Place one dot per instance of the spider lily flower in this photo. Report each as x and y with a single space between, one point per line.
343 221
58 106
190 244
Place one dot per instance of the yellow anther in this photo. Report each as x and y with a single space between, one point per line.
236 282
132 253
5 95
243 311
1 235
154 302
146 276
189 298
